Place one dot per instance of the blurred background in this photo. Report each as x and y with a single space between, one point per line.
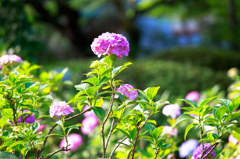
180 45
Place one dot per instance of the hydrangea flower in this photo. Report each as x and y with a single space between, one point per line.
29 119
172 110
89 124
41 128
74 140
193 96
110 43
168 130
198 152
125 90
9 59
60 108
232 140
187 148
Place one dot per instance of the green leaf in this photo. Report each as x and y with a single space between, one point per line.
6 114
82 86
59 122
133 133
124 132
157 132
99 112
183 117
234 104
93 80
236 129
35 126
225 102
189 127
151 92
15 143
207 101
7 155
150 127
220 112
210 136
193 104
92 90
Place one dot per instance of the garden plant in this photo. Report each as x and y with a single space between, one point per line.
102 99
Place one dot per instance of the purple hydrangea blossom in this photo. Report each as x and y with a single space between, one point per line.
89 124
75 141
29 119
187 148
193 96
232 140
9 59
168 130
60 108
172 110
198 152
125 90
110 43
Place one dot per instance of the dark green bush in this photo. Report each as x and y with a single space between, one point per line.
207 57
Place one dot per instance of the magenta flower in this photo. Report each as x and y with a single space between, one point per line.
110 43
168 130
198 152
9 59
60 108
74 140
89 124
193 96
187 148
232 140
172 110
26 119
125 90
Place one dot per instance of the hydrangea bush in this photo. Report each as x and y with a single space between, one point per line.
101 100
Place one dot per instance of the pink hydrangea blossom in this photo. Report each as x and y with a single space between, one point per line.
193 96
9 59
198 151
74 140
110 43
89 124
125 90
30 119
172 110
168 130
232 140
60 108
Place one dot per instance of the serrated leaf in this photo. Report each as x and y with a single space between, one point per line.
225 102
93 80
7 155
220 112
207 101
15 143
99 112
157 132
133 133
150 127
234 104
35 126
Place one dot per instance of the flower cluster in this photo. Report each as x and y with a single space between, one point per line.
60 108
74 140
110 43
172 110
193 96
125 89
90 122
198 152
27 119
168 130
9 59
187 148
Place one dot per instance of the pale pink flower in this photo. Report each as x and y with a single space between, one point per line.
172 110
110 43
198 152
232 140
187 148
9 59
193 96
60 108
89 124
125 90
168 130
74 140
